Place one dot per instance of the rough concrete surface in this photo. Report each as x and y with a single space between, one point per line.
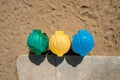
90 68
19 17
29 71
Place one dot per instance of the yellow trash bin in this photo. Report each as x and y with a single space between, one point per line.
59 43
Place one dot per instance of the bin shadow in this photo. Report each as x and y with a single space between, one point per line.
37 59
73 59
54 59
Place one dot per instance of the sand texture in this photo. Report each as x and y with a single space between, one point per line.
19 17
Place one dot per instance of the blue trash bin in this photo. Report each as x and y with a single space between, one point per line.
82 42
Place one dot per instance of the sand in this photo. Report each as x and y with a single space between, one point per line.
19 17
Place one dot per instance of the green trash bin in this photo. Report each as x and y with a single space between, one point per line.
37 42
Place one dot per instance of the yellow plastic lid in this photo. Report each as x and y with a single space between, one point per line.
59 43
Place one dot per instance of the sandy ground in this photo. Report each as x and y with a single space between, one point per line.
19 17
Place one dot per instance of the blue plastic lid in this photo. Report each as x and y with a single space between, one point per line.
82 43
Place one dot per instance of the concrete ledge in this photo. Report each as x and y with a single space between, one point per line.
69 67
30 71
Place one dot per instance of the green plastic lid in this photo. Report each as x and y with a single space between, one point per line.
37 42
